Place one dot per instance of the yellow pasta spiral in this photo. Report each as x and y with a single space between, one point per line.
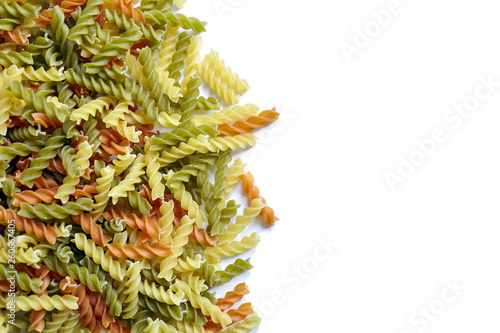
180 240
48 303
203 303
160 293
97 254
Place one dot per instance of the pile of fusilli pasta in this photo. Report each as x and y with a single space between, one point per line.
117 172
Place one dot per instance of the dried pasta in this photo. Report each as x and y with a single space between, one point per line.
116 171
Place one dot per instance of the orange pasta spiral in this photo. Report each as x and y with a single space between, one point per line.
141 251
87 191
31 227
243 311
23 163
100 309
94 229
201 235
34 197
69 286
56 166
16 36
113 144
45 121
127 7
232 297
36 317
148 224
253 192
67 6
255 122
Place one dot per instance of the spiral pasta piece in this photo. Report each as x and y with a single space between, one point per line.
255 122
229 143
129 10
154 175
217 84
132 291
23 280
148 224
32 302
55 211
226 73
97 254
99 85
98 236
180 240
84 22
55 324
37 101
29 226
161 294
34 197
253 192
100 309
187 202
192 59
175 20
245 326
226 115
116 119
132 178
97 105
203 303
233 248
37 317
242 221
138 252
232 297
103 187
185 148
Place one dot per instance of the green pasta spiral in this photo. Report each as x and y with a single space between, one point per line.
157 93
15 58
20 149
23 280
117 48
37 101
55 211
222 170
48 152
77 272
124 23
97 84
25 133
18 10
175 20
139 203
84 22
207 104
9 23
179 57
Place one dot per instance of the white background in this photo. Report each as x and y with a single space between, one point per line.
347 123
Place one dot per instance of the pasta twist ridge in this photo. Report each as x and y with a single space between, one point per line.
251 124
138 252
97 254
253 192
